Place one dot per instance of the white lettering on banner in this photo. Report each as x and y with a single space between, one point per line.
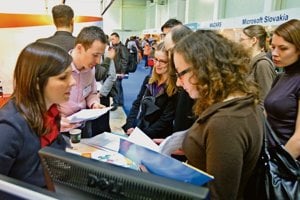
215 24
280 17
252 21
266 19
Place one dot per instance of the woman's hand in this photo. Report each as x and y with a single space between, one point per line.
98 106
129 131
157 140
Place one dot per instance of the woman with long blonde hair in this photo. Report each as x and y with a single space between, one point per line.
153 110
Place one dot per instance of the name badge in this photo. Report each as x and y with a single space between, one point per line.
87 90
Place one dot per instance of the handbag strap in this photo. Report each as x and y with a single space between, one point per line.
270 133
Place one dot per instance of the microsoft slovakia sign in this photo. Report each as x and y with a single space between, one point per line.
266 19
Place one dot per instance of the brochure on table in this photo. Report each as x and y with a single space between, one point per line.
103 155
139 148
163 165
111 141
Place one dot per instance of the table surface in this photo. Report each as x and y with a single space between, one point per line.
102 155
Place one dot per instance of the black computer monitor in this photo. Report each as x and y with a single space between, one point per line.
14 189
102 180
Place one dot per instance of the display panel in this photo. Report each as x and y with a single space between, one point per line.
106 181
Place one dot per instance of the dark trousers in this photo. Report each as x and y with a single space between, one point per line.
101 124
86 130
118 99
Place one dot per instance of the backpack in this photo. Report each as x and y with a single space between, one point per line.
273 68
132 59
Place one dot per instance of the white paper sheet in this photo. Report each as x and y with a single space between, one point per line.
112 141
87 114
172 143
168 145
140 138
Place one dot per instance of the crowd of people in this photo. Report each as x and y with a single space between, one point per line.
202 82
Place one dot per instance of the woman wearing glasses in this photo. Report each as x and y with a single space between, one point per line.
153 110
253 38
225 141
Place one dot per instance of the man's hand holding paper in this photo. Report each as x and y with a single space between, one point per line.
87 114
66 125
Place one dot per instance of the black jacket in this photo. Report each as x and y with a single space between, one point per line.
121 58
184 117
154 119
63 39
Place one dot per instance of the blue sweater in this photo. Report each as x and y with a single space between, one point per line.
19 147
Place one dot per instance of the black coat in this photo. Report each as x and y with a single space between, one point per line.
63 39
121 58
154 119
184 117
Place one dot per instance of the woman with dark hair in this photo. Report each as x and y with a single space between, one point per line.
282 104
253 38
30 119
153 110
225 140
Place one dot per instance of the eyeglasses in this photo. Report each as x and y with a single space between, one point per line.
242 39
164 62
180 74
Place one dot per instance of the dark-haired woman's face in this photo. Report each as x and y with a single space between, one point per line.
57 89
283 52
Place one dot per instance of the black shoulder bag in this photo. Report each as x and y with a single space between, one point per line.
277 173
282 177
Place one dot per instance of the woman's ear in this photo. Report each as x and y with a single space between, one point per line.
254 41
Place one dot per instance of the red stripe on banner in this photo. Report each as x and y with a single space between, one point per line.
24 20
80 19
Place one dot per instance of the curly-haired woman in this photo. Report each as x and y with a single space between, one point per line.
225 141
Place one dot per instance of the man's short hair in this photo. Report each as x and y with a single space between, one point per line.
89 34
62 15
115 34
179 32
170 24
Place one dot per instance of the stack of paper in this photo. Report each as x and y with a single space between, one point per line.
104 140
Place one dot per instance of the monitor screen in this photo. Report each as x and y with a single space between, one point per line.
14 189
106 181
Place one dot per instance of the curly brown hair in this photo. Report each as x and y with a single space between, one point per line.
220 67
